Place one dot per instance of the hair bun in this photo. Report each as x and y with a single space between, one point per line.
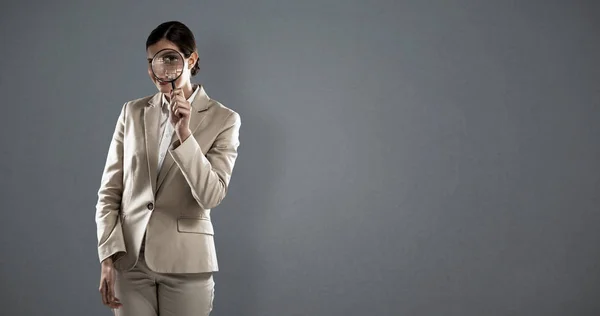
196 67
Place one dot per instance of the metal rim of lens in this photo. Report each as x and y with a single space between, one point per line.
182 64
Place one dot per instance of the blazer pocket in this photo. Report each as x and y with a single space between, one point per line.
195 225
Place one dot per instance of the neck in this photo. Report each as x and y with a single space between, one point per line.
188 88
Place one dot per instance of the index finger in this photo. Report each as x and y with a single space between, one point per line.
111 289
104 292
176 91
181 101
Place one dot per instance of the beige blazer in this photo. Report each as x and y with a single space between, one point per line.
172 208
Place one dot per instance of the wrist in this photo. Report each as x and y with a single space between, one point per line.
107 262
183 135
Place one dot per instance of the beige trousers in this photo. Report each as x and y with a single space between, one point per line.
146 293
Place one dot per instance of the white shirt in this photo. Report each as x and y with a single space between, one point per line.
165 128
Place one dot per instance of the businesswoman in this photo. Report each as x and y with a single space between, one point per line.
169 163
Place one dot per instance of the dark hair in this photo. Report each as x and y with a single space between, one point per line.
180 35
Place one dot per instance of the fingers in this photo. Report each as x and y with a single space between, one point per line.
181 112
176 91
110 284
180 107
104 291
113 301
180 100
107 291
178 94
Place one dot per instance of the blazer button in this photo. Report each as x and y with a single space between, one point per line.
150 206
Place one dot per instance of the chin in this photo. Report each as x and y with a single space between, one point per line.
163 88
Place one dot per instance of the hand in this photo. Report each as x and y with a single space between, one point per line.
180 114
107 284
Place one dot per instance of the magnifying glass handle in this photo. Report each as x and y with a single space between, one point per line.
173 85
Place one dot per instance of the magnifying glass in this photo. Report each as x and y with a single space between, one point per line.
167 66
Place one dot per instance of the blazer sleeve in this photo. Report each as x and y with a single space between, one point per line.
108 223
208 176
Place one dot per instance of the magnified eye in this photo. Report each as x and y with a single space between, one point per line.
167 65
170 59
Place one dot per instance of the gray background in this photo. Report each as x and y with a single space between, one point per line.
397 157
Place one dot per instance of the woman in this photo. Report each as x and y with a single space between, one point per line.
169 163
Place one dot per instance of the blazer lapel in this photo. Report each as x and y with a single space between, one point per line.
151 115
199 106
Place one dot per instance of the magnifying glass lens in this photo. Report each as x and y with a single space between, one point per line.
167 65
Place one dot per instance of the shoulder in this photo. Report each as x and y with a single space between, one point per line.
136 105
223 114
139 102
